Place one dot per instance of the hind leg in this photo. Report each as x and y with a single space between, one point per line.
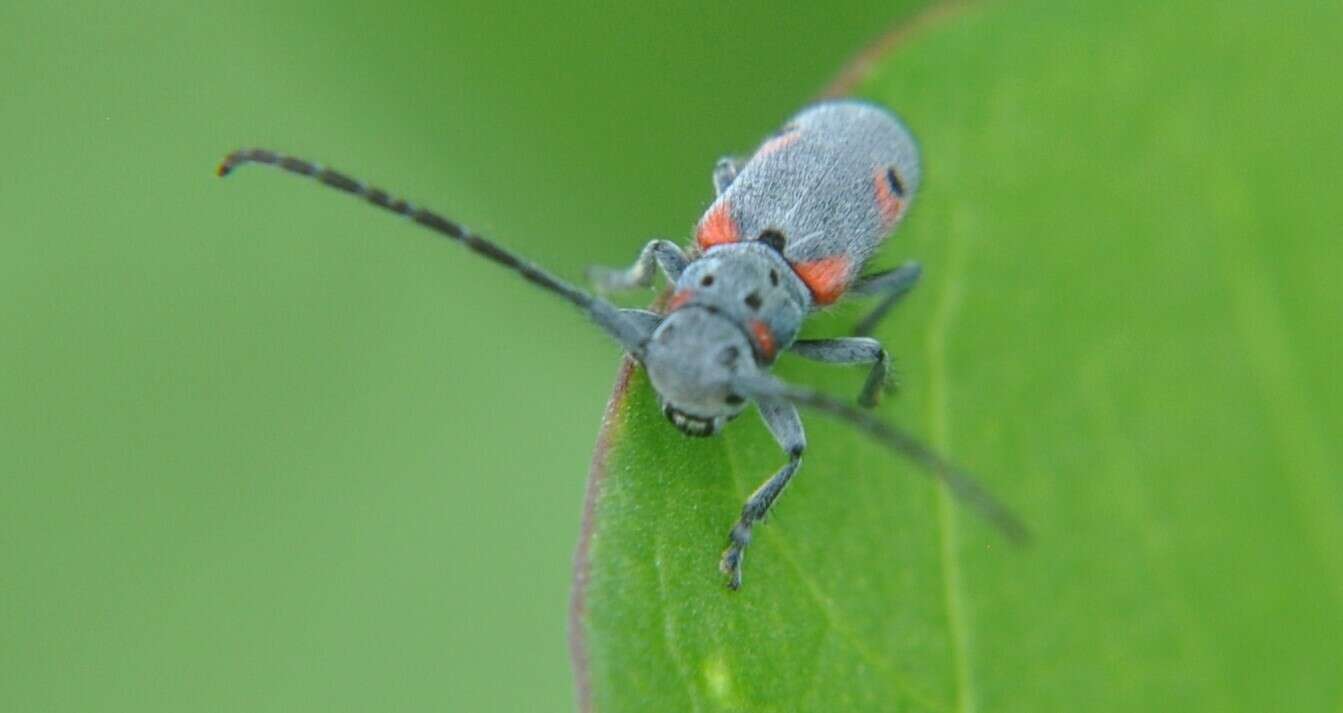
891 285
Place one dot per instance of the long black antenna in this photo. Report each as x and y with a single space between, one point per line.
629 334
964 486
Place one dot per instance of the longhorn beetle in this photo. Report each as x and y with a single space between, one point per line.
789 233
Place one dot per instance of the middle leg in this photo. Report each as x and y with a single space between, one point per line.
851 350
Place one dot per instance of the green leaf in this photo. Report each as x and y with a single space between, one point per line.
1129 327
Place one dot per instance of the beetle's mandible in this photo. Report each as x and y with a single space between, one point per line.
790 231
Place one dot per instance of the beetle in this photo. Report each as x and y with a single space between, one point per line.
789 233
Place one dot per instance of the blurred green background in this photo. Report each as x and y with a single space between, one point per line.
263 448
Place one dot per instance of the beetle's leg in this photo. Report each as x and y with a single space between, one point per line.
892 285
725 172
663 253
783 422
851 350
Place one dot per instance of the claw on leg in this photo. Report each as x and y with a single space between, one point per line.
731 566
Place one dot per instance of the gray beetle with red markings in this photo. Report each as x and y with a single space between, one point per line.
790 232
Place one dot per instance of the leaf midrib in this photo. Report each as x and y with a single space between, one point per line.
952 587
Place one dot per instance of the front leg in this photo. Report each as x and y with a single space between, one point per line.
664 253
851 350
783 422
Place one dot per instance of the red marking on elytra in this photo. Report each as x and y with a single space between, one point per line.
888 204
717 228
764 338
827 278
678 299
778 143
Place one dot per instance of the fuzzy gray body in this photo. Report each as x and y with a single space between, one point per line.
818 183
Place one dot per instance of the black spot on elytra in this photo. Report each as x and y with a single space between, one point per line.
753 300
706 280
897 186
773 238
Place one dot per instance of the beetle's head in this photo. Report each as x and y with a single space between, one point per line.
693 358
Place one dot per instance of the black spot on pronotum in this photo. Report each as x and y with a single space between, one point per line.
897 186
706 280
773 238
752 300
